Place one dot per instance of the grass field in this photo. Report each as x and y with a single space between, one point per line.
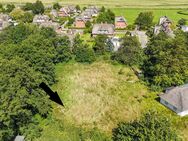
131 14
116 3
97 97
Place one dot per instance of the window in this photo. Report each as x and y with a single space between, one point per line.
166 102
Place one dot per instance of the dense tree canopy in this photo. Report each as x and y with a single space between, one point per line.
144 20
27 57
167 60
106 17
130 52
100 45
151 127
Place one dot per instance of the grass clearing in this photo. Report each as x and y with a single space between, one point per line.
98 96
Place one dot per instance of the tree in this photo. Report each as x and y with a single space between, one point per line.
144 20
84 54
166 61
28 6
27 17
17 14
20 97
38 7
9 7
102 9
151 127
130 52
63 49
78 7
100 46
182 22
56 6
106 17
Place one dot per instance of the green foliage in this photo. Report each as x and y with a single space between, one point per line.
20 97
63 50
100 45
182 22
17 14
78 7
84 54
38 7
27 17
9 7
130 52
102 9
70 21
27 58
151 127
28 6
82 51
56 6
167 61
106 17
144 20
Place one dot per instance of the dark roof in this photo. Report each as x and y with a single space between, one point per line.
120 19
177 96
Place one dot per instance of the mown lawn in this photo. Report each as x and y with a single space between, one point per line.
99 96
131 14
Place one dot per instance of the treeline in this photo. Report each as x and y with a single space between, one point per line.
27 57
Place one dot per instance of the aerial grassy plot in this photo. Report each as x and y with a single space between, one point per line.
101 70
97 97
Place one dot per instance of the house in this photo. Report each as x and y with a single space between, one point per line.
39 19
184 28
5 21
54 25
92 10
86 15
176 99
19 138
116 43
54 13
120 22
64 12
80 22
67 11
163 25
103 29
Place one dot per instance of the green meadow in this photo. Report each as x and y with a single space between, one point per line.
131 13
97 97
115 3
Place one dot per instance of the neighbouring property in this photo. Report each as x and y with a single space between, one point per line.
4 21
67 11
120 22
103 29
176 99
80 22
163 25
39 19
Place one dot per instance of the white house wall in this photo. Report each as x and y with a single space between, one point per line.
183 113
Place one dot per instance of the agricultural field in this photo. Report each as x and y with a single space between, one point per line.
116 3
131 14
97 97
